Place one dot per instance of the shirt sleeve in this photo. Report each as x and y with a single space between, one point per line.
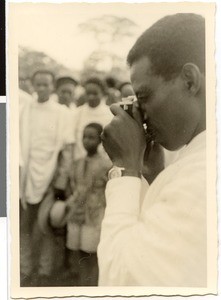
122 210
165 245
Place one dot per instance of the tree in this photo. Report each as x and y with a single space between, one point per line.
31 61
110 33
109 29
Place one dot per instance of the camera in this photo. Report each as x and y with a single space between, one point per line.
127 104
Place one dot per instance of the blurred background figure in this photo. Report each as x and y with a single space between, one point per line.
80 97
42 87
113 94
25 101
126 89
44 133
25 84
94 110
86 207
65 89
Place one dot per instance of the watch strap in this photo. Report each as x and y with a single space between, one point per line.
116 172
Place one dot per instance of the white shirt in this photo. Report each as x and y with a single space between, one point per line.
158 239
86 115
49 132
25 102
70 114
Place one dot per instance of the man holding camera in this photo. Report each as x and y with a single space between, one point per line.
155 235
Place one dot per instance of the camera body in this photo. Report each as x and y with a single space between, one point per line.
127 104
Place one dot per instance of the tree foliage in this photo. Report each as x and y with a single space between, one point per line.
31 61
108 31
109 28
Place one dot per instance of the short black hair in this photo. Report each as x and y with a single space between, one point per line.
97 81
111 81
170 43
47 72
64 80
96 126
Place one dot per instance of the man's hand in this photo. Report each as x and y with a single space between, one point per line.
124 139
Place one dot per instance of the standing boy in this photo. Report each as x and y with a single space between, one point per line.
95 110
65 88
41 141
87 204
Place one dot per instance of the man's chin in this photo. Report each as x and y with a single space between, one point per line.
163 143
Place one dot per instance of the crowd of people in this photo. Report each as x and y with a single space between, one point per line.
63 173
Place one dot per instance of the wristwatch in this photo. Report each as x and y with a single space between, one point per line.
116 172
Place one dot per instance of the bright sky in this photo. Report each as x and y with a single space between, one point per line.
52 28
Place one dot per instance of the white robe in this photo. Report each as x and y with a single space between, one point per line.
45 129
159 239
25 102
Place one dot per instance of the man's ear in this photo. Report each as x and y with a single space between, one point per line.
192 77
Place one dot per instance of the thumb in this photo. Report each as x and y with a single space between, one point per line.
117 110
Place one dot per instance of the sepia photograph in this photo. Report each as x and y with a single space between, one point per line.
112 149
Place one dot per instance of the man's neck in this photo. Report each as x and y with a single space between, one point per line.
200 127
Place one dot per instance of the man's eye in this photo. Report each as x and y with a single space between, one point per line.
145 97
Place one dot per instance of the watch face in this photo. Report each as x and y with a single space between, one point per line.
114 173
